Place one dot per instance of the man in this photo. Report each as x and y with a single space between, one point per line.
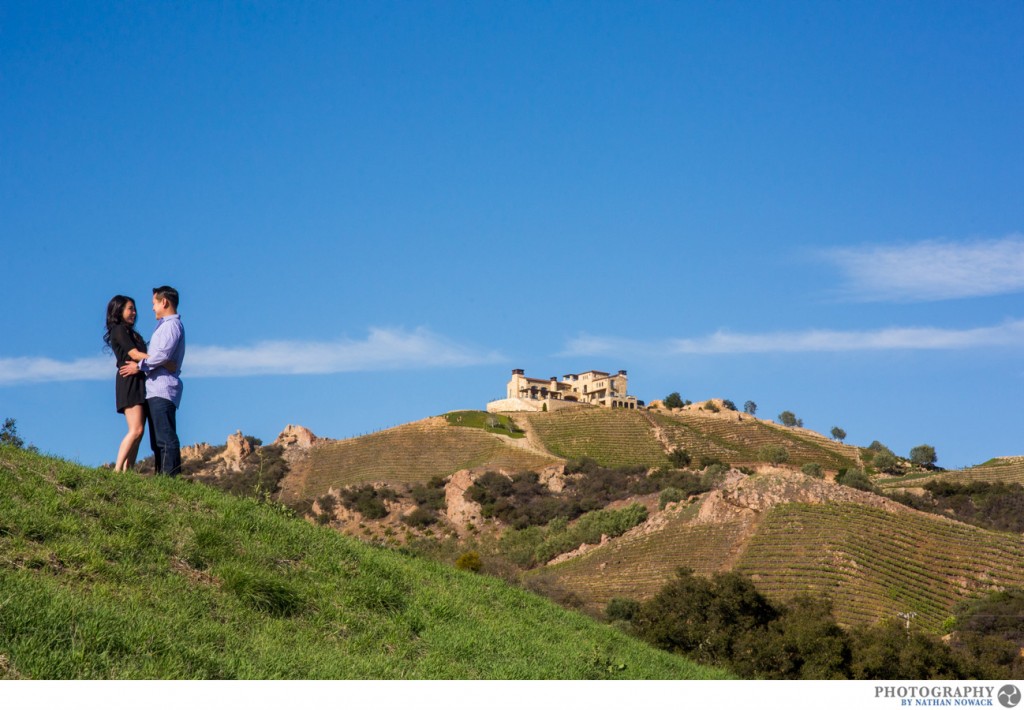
163 385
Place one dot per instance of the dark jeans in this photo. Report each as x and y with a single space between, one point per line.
163 435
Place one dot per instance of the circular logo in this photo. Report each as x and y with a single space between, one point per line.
1009 696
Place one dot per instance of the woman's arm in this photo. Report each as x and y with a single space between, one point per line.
138 356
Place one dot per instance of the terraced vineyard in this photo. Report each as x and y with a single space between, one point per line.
738 438
1001 470
875 564
612 437
406 454
637 566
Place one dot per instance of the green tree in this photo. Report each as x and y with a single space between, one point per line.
886 462
789 419
674 401
9 434
805 642
838 434
704 618
923 455
890 651
750 407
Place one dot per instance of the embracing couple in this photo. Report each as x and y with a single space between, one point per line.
148 386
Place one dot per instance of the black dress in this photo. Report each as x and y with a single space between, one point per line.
130 391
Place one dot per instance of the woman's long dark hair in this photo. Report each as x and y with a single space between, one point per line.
115 311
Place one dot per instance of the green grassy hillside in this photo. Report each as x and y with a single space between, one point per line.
107 575
410 453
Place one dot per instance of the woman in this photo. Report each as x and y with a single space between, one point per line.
127 344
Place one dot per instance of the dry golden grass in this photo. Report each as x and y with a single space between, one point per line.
408 454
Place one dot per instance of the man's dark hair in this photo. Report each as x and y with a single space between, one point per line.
168 292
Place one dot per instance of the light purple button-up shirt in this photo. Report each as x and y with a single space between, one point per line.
167 345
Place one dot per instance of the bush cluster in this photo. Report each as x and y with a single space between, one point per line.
260 476
589 529
367 500
430 500
724 620
522 501
996 506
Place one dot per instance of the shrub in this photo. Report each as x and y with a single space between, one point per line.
429 495
621 609
590 528
729 404
773 453
855 478
680 457
705 461
713 471
711 407
469 561
260 476
367 500
670 495
812 469
420 517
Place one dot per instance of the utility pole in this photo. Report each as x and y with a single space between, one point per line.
907 616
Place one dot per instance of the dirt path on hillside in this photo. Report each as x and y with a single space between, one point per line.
659 432
531 442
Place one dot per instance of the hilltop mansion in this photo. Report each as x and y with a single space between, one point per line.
592 387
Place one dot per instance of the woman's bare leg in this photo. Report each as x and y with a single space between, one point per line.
136 418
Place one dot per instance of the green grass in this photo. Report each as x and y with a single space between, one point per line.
106 575
476 419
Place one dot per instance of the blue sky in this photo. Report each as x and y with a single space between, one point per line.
374 211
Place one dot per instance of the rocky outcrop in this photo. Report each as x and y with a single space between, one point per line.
294 436
553 477
461 512
239 448
196 452
746 496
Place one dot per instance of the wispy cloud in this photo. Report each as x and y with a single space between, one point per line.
382 349
932 270
1009 334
